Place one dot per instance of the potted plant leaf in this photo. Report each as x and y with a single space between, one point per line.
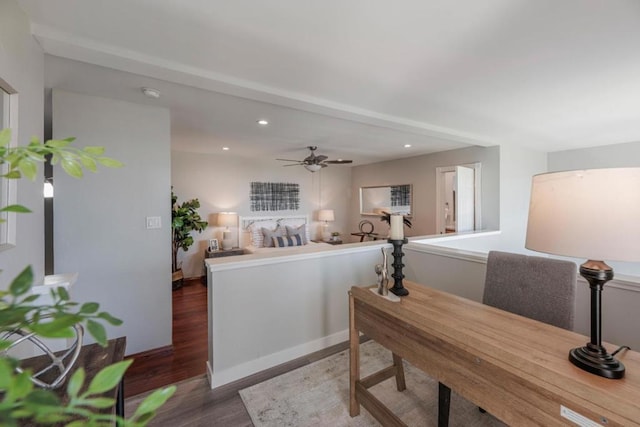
184 219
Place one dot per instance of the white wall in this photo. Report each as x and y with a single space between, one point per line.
221 182
22 67
421 172
99 221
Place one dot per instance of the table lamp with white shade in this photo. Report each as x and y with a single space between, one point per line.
326 216
595 215
227 219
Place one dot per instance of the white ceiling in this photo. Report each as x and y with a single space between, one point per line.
358 78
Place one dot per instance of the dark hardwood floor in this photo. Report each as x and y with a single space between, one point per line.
188 356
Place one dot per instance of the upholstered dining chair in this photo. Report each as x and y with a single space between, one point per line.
539 288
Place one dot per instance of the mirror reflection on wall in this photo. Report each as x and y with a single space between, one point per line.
386 198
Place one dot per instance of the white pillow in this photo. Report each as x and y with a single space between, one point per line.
296 222
270 235
255 228
298 231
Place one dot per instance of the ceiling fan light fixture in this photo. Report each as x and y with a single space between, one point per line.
313 168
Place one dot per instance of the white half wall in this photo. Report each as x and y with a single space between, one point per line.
266 311
221 182
99 221
462 273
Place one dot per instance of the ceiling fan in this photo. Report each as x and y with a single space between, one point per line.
314 163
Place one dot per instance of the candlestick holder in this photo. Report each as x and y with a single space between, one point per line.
398 288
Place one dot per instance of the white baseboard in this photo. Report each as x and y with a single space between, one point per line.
217 379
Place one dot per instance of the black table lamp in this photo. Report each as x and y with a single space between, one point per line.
595 215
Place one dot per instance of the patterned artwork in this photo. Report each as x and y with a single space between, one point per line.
401 195
274 196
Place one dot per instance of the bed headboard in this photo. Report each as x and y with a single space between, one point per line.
244 235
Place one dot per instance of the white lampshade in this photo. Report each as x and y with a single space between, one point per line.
591 214
326 215
227 219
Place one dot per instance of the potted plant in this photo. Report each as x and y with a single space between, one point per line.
20 313
335 236
184 219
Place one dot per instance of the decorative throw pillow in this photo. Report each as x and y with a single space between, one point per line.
298 231
284 241
256 231
269 235
296 222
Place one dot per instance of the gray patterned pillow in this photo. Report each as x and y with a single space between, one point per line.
270 234
298 231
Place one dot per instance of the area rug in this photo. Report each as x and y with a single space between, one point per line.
318 395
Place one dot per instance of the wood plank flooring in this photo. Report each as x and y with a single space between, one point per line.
194 403
188 356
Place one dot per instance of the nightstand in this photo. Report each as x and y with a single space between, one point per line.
218 254
221 253
331 242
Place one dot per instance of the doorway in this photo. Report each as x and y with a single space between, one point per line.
458 198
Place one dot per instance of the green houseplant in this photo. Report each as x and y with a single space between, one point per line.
20 400
184 219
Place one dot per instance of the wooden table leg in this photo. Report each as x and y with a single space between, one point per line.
397 363
444 401
354 360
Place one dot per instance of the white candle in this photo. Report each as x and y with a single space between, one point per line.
397 230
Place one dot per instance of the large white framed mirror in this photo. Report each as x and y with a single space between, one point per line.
8 119
386 198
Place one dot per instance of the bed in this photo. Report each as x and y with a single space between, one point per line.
257 234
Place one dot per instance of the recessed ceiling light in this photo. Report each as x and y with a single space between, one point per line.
263 122
407 145
225 148
151 93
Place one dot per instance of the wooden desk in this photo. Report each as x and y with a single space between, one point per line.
514 367
92 358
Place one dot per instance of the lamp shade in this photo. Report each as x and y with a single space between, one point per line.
326 215
227 219
592 214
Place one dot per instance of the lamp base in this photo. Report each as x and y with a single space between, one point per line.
597 361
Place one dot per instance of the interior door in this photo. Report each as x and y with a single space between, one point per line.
465 199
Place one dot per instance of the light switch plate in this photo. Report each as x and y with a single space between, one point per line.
153 222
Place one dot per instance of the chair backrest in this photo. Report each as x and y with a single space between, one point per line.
539 288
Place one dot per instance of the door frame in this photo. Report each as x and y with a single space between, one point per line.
440 171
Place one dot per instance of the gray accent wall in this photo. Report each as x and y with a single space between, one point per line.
99 221
421 172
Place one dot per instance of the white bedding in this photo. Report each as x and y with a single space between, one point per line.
309 246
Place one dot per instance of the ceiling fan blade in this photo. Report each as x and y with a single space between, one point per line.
321 158
289 160
338 162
